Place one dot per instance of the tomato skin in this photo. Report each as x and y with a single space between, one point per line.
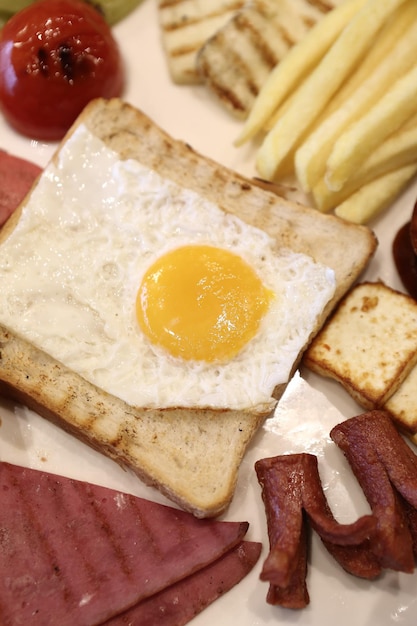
56 56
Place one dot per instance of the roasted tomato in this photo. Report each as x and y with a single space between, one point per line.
55 56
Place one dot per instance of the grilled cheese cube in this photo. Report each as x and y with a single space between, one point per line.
369 345
402 406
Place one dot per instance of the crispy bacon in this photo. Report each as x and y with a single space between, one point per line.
386 468
292 495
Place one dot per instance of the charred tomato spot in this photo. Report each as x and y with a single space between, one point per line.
67 61
43 64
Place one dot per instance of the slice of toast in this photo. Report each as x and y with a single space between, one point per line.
190 455
369 345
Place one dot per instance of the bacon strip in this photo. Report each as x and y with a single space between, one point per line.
290 485
182 601
386 469
75 553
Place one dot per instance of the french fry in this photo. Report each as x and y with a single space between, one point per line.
298 62
311 157
386 116
387 38
316 91
383 44
399 150
371 199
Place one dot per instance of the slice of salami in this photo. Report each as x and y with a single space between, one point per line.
16 179
75 553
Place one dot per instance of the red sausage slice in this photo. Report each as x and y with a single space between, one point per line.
16 178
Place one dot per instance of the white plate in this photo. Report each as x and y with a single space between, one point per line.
307 412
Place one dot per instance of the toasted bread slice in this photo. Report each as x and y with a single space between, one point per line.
236 60
191 455
369 345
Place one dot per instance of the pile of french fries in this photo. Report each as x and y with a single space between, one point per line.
340 110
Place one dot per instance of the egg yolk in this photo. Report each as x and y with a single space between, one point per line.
201 303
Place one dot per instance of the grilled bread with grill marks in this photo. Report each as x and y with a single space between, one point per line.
191 455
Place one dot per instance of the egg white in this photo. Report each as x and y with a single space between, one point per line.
71 269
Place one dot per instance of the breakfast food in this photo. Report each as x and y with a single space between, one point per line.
185 27
61 54
338 114
378 374
397 153
200 39
16 179
166 286
293 497
181 602
301 61
350 348
402 406
386 469
236 60
75 365
92 553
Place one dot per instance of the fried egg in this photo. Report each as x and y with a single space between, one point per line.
152 292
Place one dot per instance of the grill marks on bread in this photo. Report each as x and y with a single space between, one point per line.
164 447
